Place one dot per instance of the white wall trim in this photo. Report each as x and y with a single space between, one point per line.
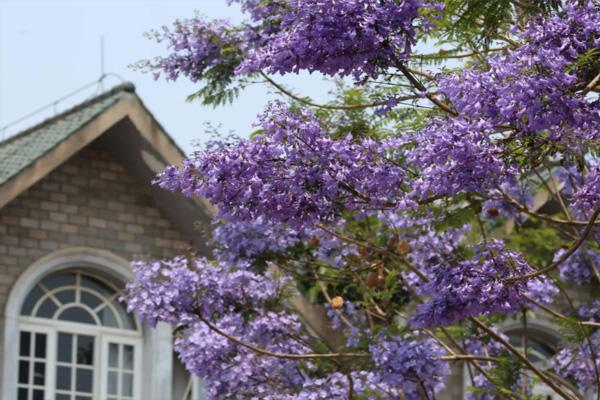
157 354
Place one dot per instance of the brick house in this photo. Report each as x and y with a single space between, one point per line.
76 205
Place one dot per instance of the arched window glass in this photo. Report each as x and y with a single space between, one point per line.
77 297
77 342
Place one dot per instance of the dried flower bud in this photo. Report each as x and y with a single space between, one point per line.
402 247
314 241
493 212
363 251
337 302
375 279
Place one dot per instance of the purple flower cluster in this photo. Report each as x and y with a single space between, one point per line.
292 173
230 370
590 312
197 45
581 363
176 290
341 37
579 267
334 37
428 248
336 386
498 206
163 290
456 155
242 241
531 88
587 198
468 288
411 365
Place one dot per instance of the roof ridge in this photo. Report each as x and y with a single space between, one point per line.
123 87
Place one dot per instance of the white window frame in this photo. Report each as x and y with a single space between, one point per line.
156 348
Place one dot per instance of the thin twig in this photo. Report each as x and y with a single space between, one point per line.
565 255
265 352
302 100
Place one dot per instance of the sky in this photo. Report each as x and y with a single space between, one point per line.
50 48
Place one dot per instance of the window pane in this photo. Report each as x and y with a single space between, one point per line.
54 281
66 296
65 343
23 371
96 285
40 345
83 398
32 298
85 349
63 378
127 384
127 357
62 397
77 314
84 380
112 382
90 300
39 373
25 343
47 309
38 394
126 318
107 317
113 355
22 394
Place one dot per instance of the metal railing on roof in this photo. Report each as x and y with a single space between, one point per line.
99 83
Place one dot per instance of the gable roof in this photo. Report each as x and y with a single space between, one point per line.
21 150
119 118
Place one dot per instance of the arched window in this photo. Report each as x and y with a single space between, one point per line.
76 341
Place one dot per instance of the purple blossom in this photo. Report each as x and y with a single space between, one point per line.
231 370
456 155
531 87
590 312
587 198
578 363
581 267
174 291
411 365
342 37
197 46
468 288
498 206
293 173
243 241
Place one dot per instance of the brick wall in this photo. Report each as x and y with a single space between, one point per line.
88 201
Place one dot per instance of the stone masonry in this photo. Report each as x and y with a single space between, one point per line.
88 201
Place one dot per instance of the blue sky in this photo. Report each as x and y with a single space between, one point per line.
49 48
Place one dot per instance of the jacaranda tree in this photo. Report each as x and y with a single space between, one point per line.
443 194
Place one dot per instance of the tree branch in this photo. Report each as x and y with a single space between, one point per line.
265 352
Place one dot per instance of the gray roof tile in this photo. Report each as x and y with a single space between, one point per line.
21 150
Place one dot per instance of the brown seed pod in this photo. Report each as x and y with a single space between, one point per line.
337 302
363 251
402 247
493 212
375 279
